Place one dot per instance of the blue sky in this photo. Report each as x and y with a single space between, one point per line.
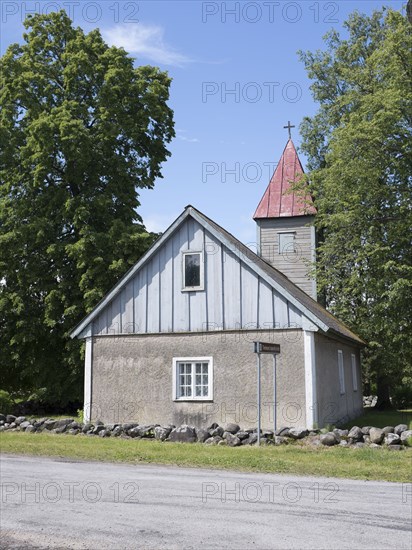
237 80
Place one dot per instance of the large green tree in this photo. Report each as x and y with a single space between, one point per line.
359 147
81 131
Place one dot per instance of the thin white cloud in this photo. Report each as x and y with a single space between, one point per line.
180 135
190 140
146 41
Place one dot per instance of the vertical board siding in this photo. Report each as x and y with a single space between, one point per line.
234 295
140 301
213 282
100 325
197 300
109 319
294 266
231 290
153 295
115 320
281 310
295 317
181 299
249 302
166 278
127 310
265 305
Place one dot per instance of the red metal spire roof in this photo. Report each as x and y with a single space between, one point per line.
278 201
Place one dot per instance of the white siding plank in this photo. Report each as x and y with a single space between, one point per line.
265 305
194 235
166 287
127 308
140 300
213 280
109 318
181 299
197 300
281 310
100 325
231 291
115 326
295 317
249 297
153 295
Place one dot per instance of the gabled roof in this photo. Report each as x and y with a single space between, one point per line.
304 303
279 200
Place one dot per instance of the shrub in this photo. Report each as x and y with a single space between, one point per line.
6 402
402 396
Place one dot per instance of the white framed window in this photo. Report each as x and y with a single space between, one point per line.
354 372
192 378
286 242
341 372
192 271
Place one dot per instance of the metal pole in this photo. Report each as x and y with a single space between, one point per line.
258 397
274 393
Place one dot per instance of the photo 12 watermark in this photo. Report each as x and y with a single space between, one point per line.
270 492
53 492
270 12
88 12
251 92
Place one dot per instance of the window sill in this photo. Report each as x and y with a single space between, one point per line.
192 399
193 289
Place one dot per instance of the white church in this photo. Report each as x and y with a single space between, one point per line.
173 341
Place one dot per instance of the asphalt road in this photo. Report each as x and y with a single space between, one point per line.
52 503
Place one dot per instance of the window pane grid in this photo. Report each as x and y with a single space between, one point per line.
193 379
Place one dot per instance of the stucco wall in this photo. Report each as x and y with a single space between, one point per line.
132 378
332 406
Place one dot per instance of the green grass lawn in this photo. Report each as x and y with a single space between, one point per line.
380 419
368 464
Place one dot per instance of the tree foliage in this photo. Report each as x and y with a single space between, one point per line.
81 131
359 146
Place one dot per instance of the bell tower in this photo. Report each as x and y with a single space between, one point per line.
284 218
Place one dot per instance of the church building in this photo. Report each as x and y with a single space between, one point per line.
173 341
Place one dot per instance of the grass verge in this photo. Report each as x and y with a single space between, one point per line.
380 419
367 464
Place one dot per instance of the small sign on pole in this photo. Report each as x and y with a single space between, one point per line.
264 347
273 349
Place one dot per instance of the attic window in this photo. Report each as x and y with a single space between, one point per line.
193 271
287 243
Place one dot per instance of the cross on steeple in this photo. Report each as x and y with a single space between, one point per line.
289 126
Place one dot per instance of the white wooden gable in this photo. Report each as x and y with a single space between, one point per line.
238 293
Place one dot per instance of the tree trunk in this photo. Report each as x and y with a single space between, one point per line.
382 391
